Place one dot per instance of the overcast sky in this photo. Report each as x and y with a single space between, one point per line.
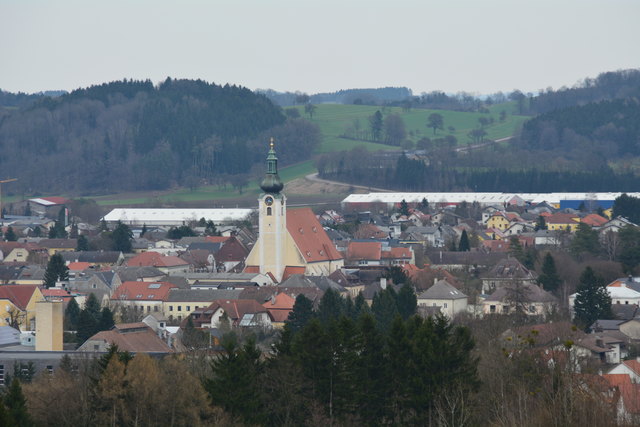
320 45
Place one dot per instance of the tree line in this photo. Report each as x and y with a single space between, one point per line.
132 135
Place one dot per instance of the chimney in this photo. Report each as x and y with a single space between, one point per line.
383 283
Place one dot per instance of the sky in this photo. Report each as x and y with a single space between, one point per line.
318 46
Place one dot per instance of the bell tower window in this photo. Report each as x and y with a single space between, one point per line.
269 211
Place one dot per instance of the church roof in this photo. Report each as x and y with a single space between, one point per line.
310 237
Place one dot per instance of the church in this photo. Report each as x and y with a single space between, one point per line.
290 241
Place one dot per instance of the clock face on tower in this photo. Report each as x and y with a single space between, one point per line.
268 201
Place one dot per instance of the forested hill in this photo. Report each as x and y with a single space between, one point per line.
607 86
132 135
610 129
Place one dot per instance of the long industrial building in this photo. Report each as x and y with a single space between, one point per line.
560 200
175 217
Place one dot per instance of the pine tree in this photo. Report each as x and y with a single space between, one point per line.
71 315
121 238
57 270
541 223
385 308
331 306
144 230
83 244
10 235
407 301
301 314
463 246
592 300
549 278
404 207
16 405
106 320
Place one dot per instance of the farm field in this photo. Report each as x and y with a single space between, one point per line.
333 119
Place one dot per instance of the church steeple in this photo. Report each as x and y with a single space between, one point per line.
271 182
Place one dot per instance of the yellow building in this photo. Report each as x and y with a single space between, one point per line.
18 306
289 241
562 221
49 325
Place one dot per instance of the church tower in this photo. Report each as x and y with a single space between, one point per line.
272 225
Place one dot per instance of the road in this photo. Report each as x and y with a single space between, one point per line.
482 144
314 177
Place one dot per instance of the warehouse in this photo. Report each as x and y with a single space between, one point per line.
175 217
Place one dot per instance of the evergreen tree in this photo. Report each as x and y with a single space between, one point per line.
106 320
87 326
57 270
73 234
541 223
16 405
407 301
301 314
464 246
211 229
424 206
376 123
83 243
592 300
144 230
121 238
385 308
72 315
331 306
234 385
10 235
549 278
404 208
629 252
515 248
585 240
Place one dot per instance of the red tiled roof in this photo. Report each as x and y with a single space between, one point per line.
154 259
280 301
143 291
217 239
78 266
19 295
496 245
594 220
144 341
231 250
290 270
236 309
56 200
364 251
53 292
310 237
561 218
617 379
397 253
369 231
634 365
252 269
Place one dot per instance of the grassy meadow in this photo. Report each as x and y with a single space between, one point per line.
333 119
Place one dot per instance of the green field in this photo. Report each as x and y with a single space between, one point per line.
333 119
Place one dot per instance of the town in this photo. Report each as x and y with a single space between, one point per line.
541 282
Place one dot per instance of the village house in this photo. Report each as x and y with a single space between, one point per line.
167 264
232 313
131 337
446 297
507 271
18 305
180 303
520 297
142 297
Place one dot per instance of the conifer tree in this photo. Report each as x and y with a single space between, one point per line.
71 315
592 301
57 270
106 320
549 278
83 244
301 314
16 405
10 235
463 246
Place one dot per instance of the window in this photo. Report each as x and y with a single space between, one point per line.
445 305
626 302
269 211
179 308
492 309
94 286
188 308
155 308
170 308
532 309
96 347
148 309
505 309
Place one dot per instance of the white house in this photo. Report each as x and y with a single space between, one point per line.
449 299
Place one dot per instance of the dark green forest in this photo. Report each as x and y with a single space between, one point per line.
132 135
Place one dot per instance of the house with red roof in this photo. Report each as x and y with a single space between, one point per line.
166 263
236 312
143 297
132 337
18 305
279 306
375 253
594 220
